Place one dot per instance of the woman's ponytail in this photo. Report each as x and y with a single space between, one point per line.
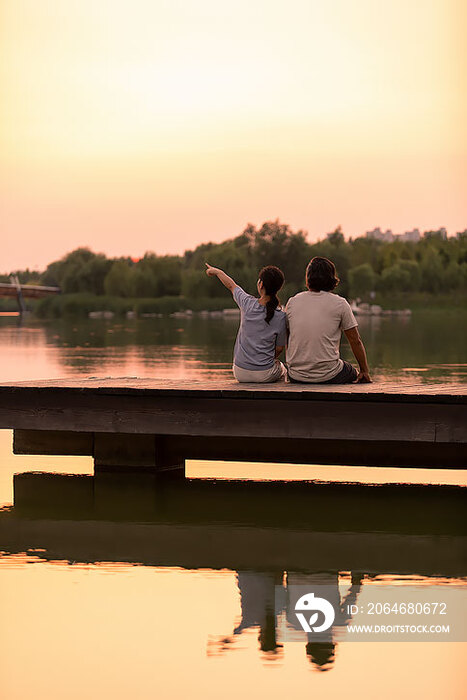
271 306
273 279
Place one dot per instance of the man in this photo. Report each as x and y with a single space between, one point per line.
316 319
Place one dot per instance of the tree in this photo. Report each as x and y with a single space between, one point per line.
453 277
362 280
413 269
276 244
78 271
166 274
404 276
144 282
434 264
394 279
336 238
118 281
196 284
432 272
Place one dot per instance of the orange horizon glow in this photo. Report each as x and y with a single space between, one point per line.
157 125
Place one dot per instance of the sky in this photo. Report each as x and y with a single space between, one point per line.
129 126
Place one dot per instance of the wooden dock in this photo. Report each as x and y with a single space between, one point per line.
154 424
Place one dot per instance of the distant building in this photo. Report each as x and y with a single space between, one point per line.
440 233
411 236
379 235
462 234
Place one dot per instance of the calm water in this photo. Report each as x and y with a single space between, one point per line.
430 346
112 588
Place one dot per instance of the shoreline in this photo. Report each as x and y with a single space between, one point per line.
101 306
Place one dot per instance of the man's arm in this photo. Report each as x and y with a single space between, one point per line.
279 349
358 349
225 279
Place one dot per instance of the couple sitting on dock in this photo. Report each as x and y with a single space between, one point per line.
310 327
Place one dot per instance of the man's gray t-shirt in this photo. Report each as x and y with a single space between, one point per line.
256 340
315 321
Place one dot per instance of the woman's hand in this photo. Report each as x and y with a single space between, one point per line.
220 274
212 271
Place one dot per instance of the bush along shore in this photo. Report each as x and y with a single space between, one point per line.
95 306
83 305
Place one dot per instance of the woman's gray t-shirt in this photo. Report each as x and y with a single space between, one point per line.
256 340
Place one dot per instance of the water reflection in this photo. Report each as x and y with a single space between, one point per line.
265 596
414 348
279 506
190 523
268 535
258 604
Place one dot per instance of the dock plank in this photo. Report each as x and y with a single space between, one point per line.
376 391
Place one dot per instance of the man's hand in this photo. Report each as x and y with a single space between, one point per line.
212 271
358 349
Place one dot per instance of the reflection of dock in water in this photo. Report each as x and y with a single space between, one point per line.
237 525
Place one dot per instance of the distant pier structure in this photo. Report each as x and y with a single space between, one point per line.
25 291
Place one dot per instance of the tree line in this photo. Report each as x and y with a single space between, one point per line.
433 265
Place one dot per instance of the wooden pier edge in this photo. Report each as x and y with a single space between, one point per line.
157 424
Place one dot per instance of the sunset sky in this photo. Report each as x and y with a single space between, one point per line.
158 124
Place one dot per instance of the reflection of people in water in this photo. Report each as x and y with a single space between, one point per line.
320 647
257 598
261 604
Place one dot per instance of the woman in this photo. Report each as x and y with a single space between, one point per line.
262 334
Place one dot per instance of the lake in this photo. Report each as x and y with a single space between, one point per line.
111 590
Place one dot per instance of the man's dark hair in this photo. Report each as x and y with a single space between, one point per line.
321 275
